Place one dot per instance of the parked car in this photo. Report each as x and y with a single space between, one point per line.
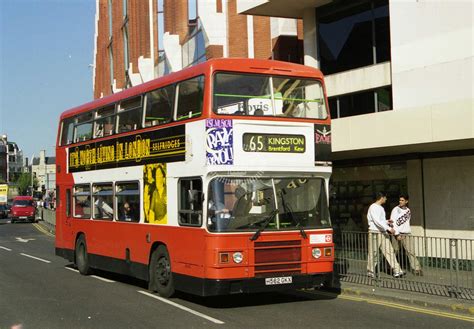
23 209
3 211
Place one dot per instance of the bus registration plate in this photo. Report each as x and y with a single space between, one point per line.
280 280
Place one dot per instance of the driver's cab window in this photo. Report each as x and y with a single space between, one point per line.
190 201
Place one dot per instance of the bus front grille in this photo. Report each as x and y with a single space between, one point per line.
277 258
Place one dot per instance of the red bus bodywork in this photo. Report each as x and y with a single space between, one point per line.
126 248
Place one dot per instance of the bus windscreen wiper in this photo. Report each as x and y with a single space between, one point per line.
265 224
288 210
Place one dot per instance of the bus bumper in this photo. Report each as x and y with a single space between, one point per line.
210 287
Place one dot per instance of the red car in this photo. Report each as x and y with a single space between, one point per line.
23 209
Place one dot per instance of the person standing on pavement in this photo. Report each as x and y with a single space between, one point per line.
379 237
400 217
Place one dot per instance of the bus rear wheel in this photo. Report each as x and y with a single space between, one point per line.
160 276
82 258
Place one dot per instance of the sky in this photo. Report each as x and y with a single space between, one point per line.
46 49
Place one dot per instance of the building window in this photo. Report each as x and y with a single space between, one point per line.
353 35
126 56
192 12
190 202
367 101
161 27
111 65
194 50
109 11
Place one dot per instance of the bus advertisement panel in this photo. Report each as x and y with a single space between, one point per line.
212 180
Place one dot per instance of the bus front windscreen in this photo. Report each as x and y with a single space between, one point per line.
263 95
239 204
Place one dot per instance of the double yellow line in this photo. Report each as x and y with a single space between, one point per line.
399 306
43 230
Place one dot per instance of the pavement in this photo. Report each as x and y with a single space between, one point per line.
402 298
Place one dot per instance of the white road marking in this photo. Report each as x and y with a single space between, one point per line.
19 239
5 248
102 279
72 269
164 300
37 258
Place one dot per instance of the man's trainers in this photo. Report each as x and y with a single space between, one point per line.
370 274
397 275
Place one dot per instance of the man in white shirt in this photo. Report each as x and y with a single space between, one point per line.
400 217
379 237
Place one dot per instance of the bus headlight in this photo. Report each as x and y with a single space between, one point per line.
238 257
316 252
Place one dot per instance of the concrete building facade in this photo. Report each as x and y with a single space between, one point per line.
11 160
44 169
399 79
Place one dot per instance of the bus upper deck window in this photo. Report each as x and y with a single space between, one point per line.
67 131
242 94
104 122
83 127
159 106
129 115
299 98
190 98
260 95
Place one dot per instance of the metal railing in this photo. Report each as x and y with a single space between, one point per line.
432 265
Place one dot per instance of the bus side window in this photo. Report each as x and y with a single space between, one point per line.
190 98
129 115
82 201
67 131
190 201
103 201
83 131
159 106
127 198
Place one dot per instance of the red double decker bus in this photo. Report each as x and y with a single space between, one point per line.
212 180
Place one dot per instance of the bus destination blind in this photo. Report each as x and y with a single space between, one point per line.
274 143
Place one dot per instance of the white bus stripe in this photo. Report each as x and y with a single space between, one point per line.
40 259
103 279
5 248
184 308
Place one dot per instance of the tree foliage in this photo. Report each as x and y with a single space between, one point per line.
24 183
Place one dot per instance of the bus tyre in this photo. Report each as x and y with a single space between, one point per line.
81 256
160 276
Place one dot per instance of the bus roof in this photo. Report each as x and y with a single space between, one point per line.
262 66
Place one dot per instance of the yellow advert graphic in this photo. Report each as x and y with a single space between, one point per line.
154 193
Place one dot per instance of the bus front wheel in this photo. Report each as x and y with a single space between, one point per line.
82 258
160 276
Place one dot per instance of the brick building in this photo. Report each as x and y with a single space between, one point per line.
137 41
